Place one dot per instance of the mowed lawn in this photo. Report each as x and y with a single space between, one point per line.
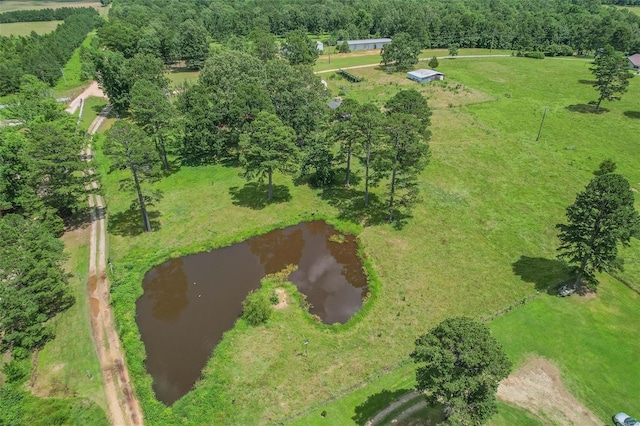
482 238
25 28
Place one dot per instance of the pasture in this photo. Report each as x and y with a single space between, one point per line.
482 238
11 5
25 28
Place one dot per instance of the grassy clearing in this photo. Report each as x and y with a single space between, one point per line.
73 83
11 5
92 107
368 57
482 238
25 28
633 9
594 341
68 365
179 77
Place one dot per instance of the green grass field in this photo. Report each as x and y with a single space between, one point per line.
482 238
592 339
25 28
11 5
633 9
368 57
73 83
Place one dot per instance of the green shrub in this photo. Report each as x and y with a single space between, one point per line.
256 308
534 55
16 371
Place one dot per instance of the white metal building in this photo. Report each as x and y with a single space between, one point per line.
368 44
424 75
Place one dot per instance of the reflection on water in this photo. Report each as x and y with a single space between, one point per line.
188 303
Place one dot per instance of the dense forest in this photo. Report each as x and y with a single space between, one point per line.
584 25
43 56
47 14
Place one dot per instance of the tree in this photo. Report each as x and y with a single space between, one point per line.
317 155
344 132
153 112
344 47
433 63
193 44
403 51
127 146
602 216
612 74
34 101
461 365
265 44
453 50
368 122
33 286
413 103
299 49
406 154
268 146
256 308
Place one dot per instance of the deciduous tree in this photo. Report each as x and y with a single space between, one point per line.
299 49
602 216
460 367
267 146
611 70
402 52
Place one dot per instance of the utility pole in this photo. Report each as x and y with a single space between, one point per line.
544 114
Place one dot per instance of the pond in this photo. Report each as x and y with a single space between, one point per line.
189 302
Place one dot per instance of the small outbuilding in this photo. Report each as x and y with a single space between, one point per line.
634 62
320 46
368 44
424 75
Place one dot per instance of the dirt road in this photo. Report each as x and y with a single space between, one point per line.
124 408
421 60
92 90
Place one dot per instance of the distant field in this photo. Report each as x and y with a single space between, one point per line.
25 28
11 5
632 9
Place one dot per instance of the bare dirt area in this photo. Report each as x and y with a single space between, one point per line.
282 299
538 388
92 90
124 408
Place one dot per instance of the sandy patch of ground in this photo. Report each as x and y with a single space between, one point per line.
538 388
282 299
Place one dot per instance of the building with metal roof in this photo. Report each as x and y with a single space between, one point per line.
634 61
425 75
368 44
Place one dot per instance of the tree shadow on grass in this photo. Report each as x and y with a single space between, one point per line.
129 222
254 195
350 205
589 82
632 114
586 109
546 274
376 403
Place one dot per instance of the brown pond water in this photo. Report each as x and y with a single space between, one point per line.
189 302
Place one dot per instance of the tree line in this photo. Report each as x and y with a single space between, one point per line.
45 55
39 15
584 25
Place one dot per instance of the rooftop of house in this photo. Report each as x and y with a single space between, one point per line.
635 59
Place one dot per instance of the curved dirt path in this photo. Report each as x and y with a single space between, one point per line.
92 90
124 408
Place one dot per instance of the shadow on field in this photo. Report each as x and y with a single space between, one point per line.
376 403
254 195
632 114
350 204
589 82
546 274
586 109
129 222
